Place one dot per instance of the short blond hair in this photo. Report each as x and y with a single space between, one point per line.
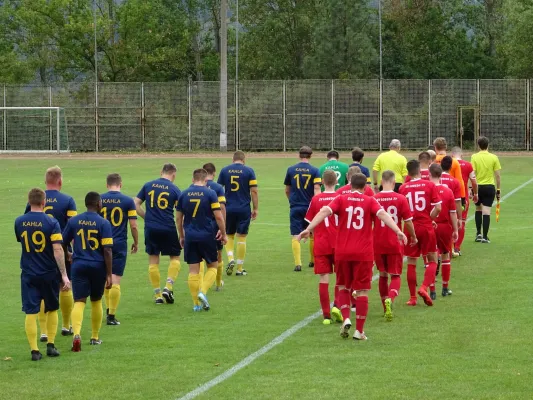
352 171
53 175
433 155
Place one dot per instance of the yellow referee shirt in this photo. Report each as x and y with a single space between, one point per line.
394 161
485 164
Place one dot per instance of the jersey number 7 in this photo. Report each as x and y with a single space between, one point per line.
307 179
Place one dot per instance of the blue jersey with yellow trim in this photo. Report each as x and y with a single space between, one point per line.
219 190
364 170
161 198
237 179
118 209
302 178
197 204
90 233
59 205
37 232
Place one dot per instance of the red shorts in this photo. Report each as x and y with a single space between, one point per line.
390 263
427 242
464 214
444 238
356 275
324 264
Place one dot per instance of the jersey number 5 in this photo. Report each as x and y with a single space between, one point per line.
90 238
234 179
359 214
162 201
419 201
38 239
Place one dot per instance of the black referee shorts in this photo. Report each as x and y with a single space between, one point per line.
486 195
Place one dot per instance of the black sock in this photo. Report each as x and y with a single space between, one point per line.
486 224
478 222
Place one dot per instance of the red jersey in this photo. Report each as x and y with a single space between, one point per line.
348 189
467 171
354 236
452 184
422 196
447 206
385 240
424 174
326 232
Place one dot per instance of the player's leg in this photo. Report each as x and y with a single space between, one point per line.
296 226
97 287
462 230
193 257
429 273
323 268
362 283
446 274
31 304
114 295
485 211
172 248
42 323
479 212
383 285
208 251
344 282
413 253
50 291
394 269
231 230
219 284
66 303
243 227
311 251
80 290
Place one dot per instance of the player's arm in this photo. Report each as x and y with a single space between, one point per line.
59 255
318 189
436 210
473 183
497 177
321 216
140 211
411 230
179 225
255 202
288 191
387 220
459 207
455 225
107 244
135 234
219 217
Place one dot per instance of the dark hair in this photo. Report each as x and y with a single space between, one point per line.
210 168
431 147
483 143
306 152
435 170
329 178
239 156
168 168
424 157
36 197
199 174
114 180
333 154
446 163
358 181
92 199
388 176
357 154
413 168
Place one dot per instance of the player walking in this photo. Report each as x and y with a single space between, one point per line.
348 188
240 185
119 210
160 234
357 158
43 270
424 159
333 164
302 182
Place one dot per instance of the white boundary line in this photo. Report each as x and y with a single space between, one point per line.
254 356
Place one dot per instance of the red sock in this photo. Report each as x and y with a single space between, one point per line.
336 301
432 287
411 279
461 236
425 258
383 289
429 275
352 299
344 300
361 306
394 287
323 294
446 271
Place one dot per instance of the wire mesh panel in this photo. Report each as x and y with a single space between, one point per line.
405 113
119 116
446 97
357 114
261 115
503 113
308 114
206 116
78 99
166 113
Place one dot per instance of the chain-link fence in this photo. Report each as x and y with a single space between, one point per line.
272 115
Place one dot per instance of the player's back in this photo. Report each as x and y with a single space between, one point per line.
455 171
451 183
325 233
160 197
218 189
448 204
59 205
395 204
346 189
364 170
302 178
424 174
237 180
37 232
118 208
197 204
340 169
90 233
421 196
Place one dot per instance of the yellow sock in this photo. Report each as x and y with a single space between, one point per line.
114 299
209 279
230 246
66 303
173 272
220 271
155 278
202 273
31 330
194 287
42 319
77 316
296 252
106 297
311 248
51 325
96 318
241 252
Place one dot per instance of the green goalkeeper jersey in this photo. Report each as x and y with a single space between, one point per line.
340 169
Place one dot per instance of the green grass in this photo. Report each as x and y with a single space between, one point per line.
474 345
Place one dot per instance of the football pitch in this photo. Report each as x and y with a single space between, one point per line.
475 344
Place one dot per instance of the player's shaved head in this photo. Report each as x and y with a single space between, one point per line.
333 154
352 171
329 178
169 169
483 143
457 151
239 156
413 168
92 200
199 175
435 171
440 144
446 163
210 168
424 158
358 181
357 154
36 197
114 180
388 176
53 175
305 152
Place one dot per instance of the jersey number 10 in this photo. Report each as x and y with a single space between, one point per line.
113 216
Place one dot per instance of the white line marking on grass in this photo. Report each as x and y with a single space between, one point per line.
254 356
269 224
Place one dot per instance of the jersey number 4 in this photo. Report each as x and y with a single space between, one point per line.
358 214
419 203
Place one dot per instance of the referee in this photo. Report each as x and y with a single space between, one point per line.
393 161
487 168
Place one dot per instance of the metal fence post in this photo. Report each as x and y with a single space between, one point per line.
478 99
96 121
332 114
381 115
429 112
237 132
4 124
143 119
50 119
528 115
284 114
189 112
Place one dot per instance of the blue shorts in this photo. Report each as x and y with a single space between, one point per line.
37 288
120 254
88 280
220 246
196 251
165 243
238 222
298 222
